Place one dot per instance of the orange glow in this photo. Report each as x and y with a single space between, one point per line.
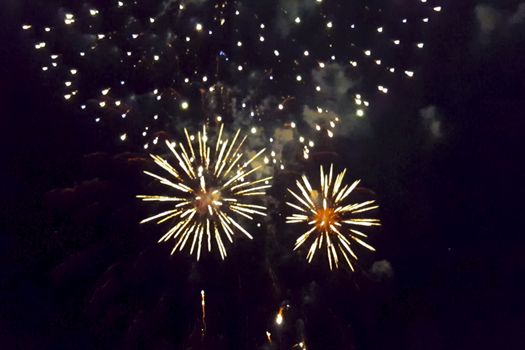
324 218
205 199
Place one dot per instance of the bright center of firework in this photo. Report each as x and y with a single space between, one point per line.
206 200
324 218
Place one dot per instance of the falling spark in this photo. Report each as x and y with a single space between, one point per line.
203 306
279 317
213 187
331 217
269 336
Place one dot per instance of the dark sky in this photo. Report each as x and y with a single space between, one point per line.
442 154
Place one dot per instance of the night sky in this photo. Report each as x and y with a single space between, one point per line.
431 125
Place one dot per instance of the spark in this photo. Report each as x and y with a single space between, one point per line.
331 218
214 186
279 317
203 311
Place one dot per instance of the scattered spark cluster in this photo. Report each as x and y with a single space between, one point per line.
139 68
212 186
332 218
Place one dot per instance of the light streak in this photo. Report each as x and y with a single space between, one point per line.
203 311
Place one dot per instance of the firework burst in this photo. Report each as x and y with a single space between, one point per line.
211 187
332 218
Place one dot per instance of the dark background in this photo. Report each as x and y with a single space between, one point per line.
77 271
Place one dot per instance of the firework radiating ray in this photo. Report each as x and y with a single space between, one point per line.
211 188
331 220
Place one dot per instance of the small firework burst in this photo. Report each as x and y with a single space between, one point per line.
212 186
332 218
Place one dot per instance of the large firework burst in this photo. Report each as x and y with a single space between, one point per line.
332 217
211 187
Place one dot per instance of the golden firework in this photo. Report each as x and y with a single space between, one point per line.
332 217
212 186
